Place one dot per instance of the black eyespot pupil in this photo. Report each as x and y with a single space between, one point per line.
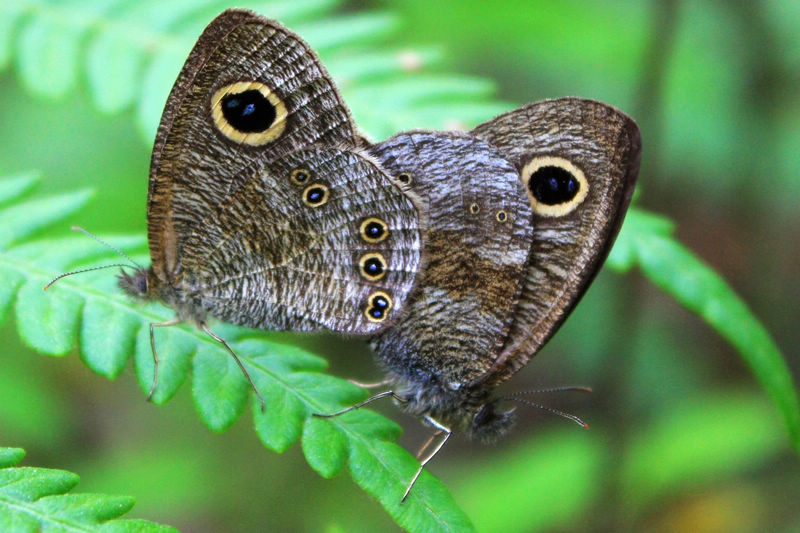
315 195
248 111
381 303
373 266
552 185
501 216
374 230
405 178
301 176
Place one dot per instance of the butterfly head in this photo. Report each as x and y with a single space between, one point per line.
465 409
139 284
468 409
490 423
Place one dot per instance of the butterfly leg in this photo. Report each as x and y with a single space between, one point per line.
362 404
428 443
154 325
238 362
440 429
374 385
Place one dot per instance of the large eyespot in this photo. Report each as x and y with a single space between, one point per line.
316 194
373 266
374 230
300 176
378 306
248 112
554 185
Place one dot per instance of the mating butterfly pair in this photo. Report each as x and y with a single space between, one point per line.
456 254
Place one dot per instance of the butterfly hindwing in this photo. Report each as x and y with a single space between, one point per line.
477 239
320 238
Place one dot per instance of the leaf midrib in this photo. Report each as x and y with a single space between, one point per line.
83 290
44 518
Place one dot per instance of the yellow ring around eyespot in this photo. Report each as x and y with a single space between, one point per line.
554 210
405 178
501 216
370 306
296 172
363 230
253 139
363 261
326 192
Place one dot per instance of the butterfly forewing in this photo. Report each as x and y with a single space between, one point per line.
250 92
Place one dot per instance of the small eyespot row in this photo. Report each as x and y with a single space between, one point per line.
374 230
378 306
316 194
405 178
300 176
501 214
372 266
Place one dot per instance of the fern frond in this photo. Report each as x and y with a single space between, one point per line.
646 240
36 499
91 312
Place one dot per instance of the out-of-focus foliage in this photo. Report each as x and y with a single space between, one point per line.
682 437
34 499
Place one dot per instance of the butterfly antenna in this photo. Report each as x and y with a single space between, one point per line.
81 271
133 264
568 388
107 245
552 410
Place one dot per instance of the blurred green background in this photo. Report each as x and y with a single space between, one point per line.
682 437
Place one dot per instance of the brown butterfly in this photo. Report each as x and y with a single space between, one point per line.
522 213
